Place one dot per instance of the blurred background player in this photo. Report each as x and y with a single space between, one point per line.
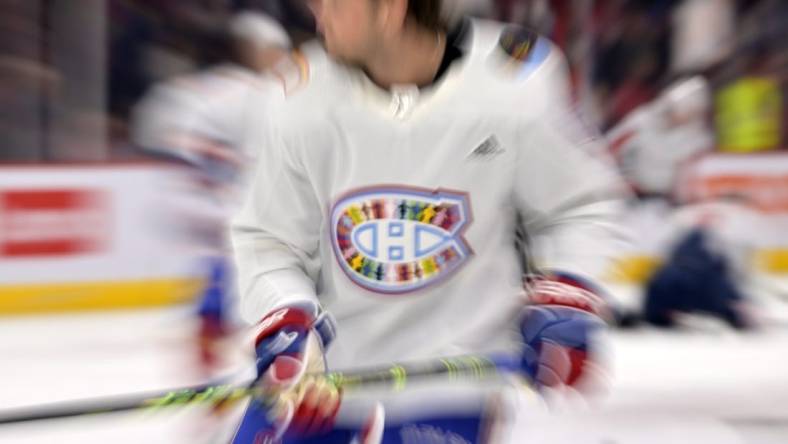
702 248
389 195
706 267
209 121
652 142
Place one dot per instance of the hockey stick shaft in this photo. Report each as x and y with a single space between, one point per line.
397 376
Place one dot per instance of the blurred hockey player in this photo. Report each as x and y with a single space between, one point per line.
651 144
204 119
703 247
208 121
707 266
382 222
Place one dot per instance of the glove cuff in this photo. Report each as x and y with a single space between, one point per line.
567 291
304 316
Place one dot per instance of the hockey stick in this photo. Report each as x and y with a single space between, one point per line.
397 376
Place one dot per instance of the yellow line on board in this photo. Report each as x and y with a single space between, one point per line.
633 269
83 296
772 261
639 269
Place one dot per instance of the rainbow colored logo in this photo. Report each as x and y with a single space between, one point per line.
396 240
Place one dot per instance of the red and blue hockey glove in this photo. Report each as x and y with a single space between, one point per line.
557 328
289 348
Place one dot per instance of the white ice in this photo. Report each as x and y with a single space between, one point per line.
708 385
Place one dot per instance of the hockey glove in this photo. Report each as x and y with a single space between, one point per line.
556 328
289 348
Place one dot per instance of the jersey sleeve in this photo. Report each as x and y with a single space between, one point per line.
568 194
276 234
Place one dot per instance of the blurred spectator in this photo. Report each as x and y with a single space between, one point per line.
625 51
636 88
695 48
749 114
151 41
52 66
632 56
26 81
751 85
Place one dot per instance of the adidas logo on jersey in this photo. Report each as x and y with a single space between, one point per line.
489 149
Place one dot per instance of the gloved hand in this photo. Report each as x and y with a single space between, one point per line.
556 328
289 348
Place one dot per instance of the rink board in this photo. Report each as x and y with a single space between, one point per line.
83 296
82 237
759 182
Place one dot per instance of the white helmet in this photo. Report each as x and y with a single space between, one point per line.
259 29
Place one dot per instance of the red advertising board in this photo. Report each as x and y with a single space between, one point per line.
53 222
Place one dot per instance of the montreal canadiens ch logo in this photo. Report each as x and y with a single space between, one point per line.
396 240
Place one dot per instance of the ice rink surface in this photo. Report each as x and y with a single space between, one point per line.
709 385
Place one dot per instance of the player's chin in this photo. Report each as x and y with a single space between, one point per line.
338 53
346 60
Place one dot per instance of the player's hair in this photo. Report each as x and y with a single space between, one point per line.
426 13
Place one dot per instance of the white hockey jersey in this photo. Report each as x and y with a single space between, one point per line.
397 210
209 120
212 104
653 142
